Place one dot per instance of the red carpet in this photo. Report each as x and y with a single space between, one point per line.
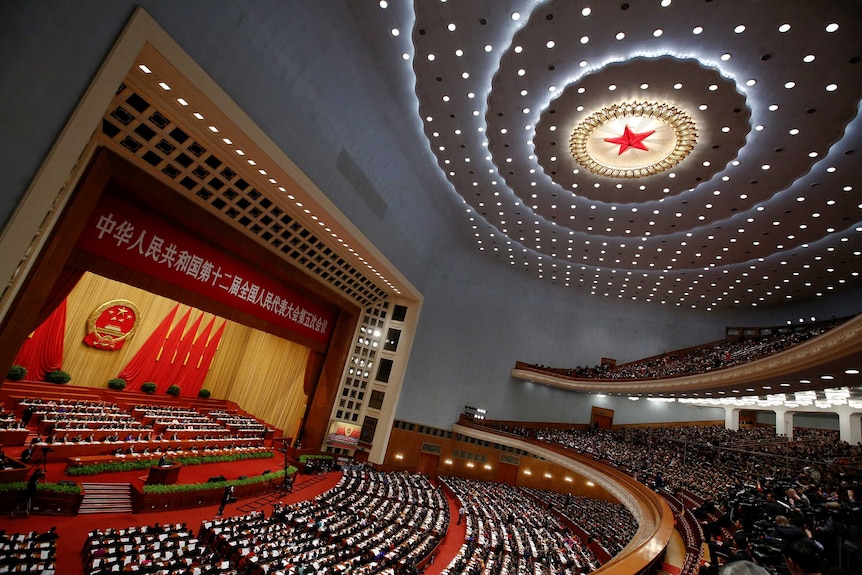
452 541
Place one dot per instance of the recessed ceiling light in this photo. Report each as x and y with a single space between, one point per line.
620 35
789 85
832 27
725 57
831 87
677 86
697 30
451 27
585 39
144 69
395 31
586 11
784 28
657 32
851 371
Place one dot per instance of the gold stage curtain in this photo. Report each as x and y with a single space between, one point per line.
262 373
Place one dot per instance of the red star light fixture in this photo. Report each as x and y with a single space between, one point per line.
613 141
631 139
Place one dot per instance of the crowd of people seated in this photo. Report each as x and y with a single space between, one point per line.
738 481
239 423
78 415
31 552
371 522
125 434
158 549
700 359
509 532
9 422
610 524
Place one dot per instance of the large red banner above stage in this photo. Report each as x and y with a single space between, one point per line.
137 239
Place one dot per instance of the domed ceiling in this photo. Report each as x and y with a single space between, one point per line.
701 154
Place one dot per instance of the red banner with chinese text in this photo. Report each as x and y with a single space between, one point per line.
132 237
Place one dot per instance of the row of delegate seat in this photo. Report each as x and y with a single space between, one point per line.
509 533
157 549
371 522
31 552
608 523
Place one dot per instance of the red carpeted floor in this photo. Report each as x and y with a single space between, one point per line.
73 530
451 543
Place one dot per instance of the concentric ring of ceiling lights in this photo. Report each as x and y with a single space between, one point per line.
633 139
730 225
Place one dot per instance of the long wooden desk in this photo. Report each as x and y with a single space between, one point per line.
62 451
13 436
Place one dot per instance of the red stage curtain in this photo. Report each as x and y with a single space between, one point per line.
162 369
188 376
181 354
67 280
43 350
209 354
144 361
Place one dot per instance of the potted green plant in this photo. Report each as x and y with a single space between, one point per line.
58 376
204 393
117 383
149 387
174 390
16 373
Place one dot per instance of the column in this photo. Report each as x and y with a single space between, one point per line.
731 418
849 424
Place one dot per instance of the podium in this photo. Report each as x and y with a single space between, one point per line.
164 474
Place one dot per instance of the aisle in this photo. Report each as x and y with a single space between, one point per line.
452 541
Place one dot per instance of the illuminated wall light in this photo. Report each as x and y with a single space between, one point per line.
527 472
399 456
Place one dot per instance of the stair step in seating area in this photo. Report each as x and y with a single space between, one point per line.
106 498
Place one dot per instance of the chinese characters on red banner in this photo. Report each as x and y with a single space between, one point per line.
139 240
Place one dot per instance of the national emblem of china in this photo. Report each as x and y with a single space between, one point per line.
112 324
